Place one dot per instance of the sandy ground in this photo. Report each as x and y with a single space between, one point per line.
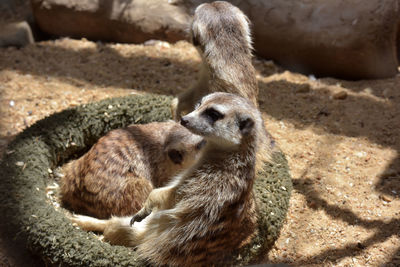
341 138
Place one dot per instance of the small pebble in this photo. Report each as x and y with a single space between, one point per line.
368 90
340 95
19 163
361 154
12 103
312 77
385 198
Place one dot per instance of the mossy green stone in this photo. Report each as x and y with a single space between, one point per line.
27 212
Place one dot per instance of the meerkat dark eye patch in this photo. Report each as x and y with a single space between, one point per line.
245 125
195 41
176 156
213 114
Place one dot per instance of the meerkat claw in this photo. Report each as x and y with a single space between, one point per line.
138 217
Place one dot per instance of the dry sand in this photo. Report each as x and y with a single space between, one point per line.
342 138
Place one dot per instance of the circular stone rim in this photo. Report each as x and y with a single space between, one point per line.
27 169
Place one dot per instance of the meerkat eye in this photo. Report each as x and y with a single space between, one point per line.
213 114
176 156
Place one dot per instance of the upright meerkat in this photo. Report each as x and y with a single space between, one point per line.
116 175
221 34
208 211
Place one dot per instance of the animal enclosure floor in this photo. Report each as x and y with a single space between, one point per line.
341 138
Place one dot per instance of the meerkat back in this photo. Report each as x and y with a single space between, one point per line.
116 175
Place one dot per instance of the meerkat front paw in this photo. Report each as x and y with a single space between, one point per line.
88 223
140 215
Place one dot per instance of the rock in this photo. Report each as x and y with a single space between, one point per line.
340 95
119 21
15 34
351 39
386 198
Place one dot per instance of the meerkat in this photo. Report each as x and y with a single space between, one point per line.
116 175
221 34
207 211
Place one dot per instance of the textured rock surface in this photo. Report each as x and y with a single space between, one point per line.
15 34
352 39
120 21
347 38
51 141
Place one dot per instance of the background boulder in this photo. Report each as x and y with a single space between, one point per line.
352 39
128 21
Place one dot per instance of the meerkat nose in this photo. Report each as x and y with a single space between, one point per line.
184 121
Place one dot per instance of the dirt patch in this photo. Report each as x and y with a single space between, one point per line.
342 139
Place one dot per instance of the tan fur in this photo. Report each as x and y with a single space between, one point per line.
208 211
221 34
119 171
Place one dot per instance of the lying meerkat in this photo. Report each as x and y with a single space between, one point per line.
208 210
116 175
221 34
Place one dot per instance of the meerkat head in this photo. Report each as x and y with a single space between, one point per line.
224 119
218 24
182 147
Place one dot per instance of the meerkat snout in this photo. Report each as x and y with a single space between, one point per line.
184 121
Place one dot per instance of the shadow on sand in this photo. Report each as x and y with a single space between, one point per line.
347 118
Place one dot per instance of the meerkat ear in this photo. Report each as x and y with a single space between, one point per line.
245 124
175 155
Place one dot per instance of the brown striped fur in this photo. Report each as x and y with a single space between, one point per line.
208 211
116 175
